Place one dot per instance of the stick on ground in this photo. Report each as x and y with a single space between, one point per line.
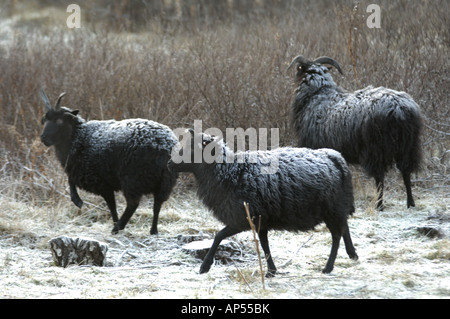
252 226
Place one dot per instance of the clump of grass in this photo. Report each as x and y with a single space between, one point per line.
245 277
385 257
441 251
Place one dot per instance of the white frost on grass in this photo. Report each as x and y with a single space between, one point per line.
394 260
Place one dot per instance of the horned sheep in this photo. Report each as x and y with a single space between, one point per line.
102 157
374 127
307 188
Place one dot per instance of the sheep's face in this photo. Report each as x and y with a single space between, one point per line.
58 126
192 151
307 72
302 71
307 69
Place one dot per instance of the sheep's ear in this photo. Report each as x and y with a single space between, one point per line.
71 115
47 104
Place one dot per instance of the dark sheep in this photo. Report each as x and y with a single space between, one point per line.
307 188
102 157
372 127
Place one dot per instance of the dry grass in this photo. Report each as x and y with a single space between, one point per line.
227 68
395 260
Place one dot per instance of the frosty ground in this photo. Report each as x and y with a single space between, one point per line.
395 259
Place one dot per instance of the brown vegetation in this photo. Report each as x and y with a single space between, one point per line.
220 63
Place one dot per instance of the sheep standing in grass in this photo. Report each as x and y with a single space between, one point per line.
372 127
309 187
102 157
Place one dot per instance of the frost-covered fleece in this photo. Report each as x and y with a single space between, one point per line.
102 157
372 127
309 187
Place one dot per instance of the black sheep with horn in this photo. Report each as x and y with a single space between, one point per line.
103 157
373 127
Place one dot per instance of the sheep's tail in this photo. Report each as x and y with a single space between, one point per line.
408 155
397 133
346 195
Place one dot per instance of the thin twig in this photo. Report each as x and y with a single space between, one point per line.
242 276
301 246
116 241
353 26
252 226
438 131
120 257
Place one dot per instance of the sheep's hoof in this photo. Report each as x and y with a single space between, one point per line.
204 268
153 231
353 256
411 204
327 270
78 202
271 273
117 227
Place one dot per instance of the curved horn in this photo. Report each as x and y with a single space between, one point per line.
330 61
44 97
58 101
300 59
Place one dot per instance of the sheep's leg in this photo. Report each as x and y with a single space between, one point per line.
110 200
209 258
74 195
407 182
351 252
379 181
132 205
336 238
156 208
163 193
271 269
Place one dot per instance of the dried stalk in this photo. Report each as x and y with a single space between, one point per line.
252 226
242 276
353 26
